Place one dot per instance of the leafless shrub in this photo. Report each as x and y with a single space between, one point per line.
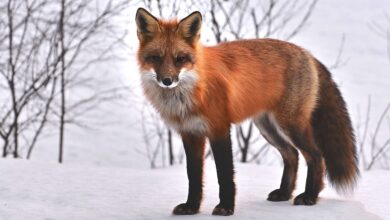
373 150
339 61
374 146
382 28
156 136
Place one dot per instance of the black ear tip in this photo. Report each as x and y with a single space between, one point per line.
198 14
142 13
139 16
140 10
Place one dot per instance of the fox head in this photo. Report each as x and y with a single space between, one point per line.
167 52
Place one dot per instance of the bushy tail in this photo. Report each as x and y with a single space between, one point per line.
334 134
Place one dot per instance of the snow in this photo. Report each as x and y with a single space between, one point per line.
36 190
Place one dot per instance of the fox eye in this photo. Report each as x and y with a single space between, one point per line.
181 59
153 58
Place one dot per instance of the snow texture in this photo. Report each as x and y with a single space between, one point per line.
33 190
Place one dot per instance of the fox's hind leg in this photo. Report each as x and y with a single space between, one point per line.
274 135
304 140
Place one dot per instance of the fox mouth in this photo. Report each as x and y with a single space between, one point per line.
167 84
185 79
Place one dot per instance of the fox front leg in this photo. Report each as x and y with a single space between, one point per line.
222 152
194 149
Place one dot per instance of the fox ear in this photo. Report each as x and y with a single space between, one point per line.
189 27
147 24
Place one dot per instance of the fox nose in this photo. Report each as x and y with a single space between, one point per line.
167 81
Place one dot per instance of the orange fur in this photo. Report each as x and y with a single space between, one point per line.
290 96
232 86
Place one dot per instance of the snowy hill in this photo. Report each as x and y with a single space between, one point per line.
32 190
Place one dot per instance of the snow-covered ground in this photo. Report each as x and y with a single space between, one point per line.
35 190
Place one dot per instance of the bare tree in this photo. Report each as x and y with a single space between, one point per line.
381 150
236 19
154 135
62 79
382 29
25 74
244 141
372 149
77 37
374 146
339 61
46 51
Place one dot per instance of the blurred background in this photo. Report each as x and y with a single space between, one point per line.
70 89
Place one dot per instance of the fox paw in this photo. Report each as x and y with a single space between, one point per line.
222 210
278 195
185 209
305 199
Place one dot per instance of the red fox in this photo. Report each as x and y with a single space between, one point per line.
290 96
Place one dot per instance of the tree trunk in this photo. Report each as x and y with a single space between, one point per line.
5 147
244 154
62 76
170 148
11 82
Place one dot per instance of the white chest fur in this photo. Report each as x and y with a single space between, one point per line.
175 102
194 124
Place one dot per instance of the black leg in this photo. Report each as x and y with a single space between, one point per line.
194 148
287 184
222 151
315 169
273 135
